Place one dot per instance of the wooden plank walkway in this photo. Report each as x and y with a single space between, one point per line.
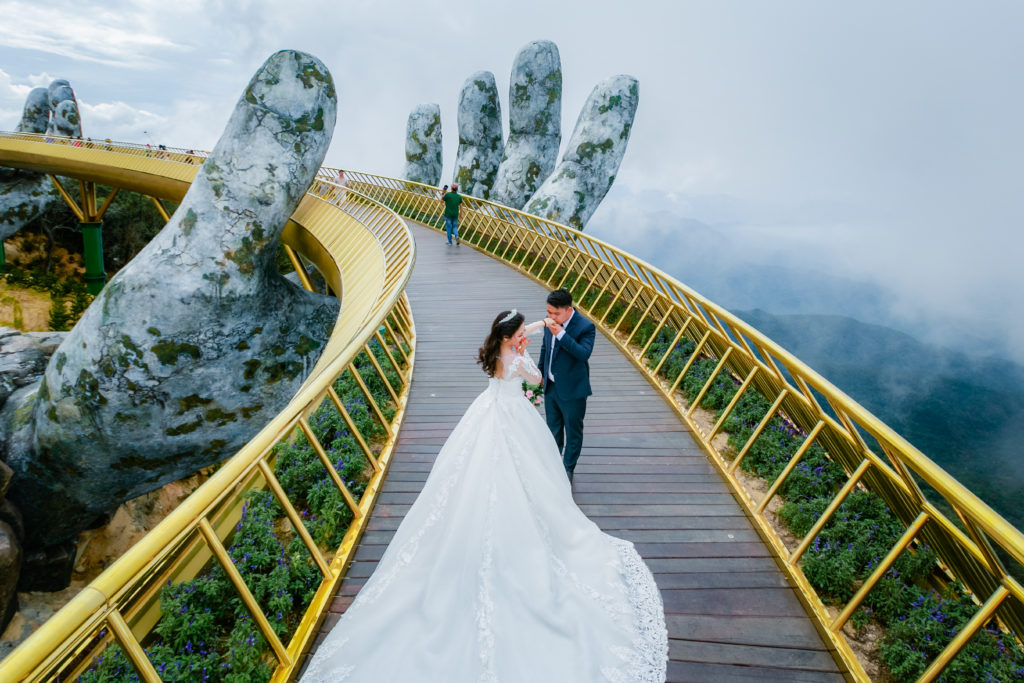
731 615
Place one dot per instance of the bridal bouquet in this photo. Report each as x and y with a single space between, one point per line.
534 393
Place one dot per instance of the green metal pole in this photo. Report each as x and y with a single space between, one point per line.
92 236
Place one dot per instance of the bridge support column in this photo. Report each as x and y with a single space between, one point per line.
90 221
95 275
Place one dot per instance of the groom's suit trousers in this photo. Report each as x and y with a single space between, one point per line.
565 420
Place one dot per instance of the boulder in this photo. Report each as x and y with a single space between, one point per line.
198 342
6 476
480 143
423 145
10 572
23 357
12 516
48 569
587 170
535 124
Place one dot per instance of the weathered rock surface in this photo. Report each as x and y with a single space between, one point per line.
23 196
12 516
36 114
47 569
198 341
480 143
535 124
587 170
423 145
10 572
23 357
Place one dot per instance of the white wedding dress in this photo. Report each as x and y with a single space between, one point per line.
496 575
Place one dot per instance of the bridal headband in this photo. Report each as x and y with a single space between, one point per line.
508 317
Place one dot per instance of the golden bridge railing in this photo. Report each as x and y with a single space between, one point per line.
365 253
550 253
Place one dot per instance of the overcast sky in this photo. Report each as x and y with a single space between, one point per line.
874 140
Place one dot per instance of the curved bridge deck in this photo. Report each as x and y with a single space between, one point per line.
731 615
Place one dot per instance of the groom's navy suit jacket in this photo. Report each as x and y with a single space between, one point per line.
571 363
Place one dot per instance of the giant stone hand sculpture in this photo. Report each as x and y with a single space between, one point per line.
524 178
196 343
480 143
572 193
535 124
24 194
423 145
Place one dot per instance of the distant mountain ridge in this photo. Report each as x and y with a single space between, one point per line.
964 412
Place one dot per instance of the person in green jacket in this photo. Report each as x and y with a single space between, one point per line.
452 210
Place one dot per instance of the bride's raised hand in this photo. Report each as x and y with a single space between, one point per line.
521 346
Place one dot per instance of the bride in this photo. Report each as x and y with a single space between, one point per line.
495 574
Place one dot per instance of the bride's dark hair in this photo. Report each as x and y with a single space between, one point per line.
488 356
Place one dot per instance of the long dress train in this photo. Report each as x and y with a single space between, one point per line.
496 575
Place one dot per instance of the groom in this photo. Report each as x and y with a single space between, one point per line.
565 365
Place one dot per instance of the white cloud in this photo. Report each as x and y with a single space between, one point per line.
121 38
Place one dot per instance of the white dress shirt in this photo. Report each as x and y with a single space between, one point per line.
554 338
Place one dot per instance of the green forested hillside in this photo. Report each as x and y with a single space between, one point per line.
965 413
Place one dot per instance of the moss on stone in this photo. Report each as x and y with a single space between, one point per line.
588 149
168 352
286 369
193 401
132 354
305 123
249 411
613 101
306 346
242 345
185 428
251 366
62 359
189 221
215 446
532 174
310 74
221 417
88 388
153 331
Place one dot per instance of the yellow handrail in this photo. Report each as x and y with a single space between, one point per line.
550 253
366 255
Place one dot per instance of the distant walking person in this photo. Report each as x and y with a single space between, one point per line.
452 210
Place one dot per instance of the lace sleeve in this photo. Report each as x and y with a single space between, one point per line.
524 367
534 328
